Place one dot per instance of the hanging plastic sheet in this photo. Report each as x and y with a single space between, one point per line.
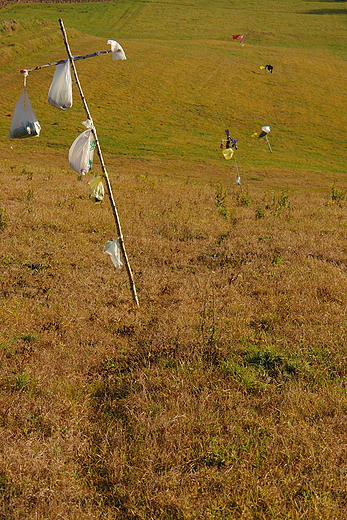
112 248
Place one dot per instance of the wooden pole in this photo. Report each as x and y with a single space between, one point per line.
238 178
75 58
268 142
108 184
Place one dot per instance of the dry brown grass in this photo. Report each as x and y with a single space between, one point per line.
223 396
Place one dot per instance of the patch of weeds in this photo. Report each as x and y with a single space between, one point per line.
2 219
258 366
245 375
337 195
30 194
207 324
222 237
224 212
29 338
243 198
220 196
269 363
207 460
22 380
264 323
259 213
276 259
8 349
274 203
279 202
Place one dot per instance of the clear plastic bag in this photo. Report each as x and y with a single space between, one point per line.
24 122
81 152
98 191
112 248
60 91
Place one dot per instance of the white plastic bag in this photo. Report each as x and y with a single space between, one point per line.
117 51
112 248
81 152
24 122
60 91
98 191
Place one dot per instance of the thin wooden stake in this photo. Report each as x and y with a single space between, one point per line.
268 142
108 184
238 178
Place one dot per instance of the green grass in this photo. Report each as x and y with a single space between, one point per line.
185 80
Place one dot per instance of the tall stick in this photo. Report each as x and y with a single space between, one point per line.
268 142
108 184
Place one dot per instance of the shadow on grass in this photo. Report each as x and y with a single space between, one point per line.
326 11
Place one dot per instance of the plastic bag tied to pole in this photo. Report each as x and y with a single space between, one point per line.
112 248
228 153
117 50
60 91
24 122
98 191
81 152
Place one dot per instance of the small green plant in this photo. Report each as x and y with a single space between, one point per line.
2 219
259 213
30 194
220 196
276 259
277 202
224 212
243 198
22 380
28 338
337 195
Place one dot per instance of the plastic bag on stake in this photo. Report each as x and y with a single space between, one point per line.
81 151
24 121
60 91
112 248
98 191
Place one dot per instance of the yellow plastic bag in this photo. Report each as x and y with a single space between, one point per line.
98 191
228 153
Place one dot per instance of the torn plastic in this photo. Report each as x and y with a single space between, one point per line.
60 91
112 248
117 50
81 152
98 191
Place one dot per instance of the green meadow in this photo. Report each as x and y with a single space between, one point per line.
186 80
223 395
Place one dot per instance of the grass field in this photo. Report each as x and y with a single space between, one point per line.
223 396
